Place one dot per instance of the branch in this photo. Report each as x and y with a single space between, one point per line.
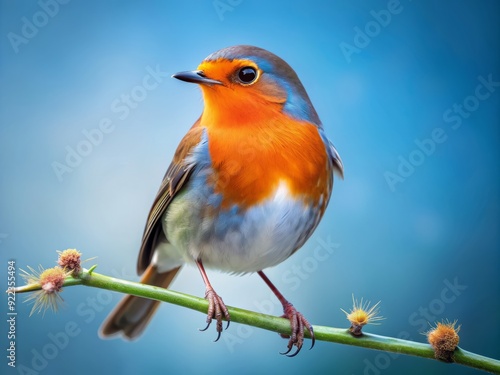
268 322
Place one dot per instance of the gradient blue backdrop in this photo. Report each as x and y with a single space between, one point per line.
403 247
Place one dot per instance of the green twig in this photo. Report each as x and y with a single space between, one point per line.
271 323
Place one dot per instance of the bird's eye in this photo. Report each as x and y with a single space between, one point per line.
247 75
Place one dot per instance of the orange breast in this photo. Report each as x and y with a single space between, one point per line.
251 160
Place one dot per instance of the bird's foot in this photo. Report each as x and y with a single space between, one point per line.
216 309
297 324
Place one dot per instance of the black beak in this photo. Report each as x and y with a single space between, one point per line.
196 76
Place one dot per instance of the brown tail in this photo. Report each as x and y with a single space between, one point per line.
132 314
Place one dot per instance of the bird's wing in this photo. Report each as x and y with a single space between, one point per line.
338 166
177 175
336 160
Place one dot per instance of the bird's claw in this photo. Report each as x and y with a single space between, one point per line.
297 324
216 309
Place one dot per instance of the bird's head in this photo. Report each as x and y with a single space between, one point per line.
242 84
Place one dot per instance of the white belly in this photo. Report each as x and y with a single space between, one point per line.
238 242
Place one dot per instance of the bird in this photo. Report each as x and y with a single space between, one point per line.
247 186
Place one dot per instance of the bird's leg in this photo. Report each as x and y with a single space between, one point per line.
297 320
216 307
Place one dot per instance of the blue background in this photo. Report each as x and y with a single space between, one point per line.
401 245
